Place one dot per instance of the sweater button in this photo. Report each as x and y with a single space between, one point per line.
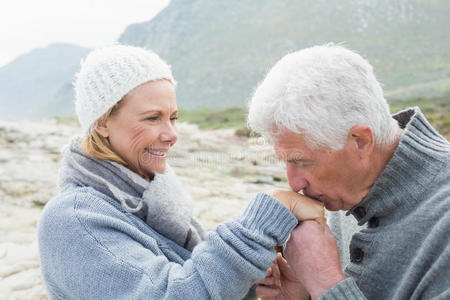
356 255
359 212
373 222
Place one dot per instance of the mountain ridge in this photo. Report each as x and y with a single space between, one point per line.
220 51
37 83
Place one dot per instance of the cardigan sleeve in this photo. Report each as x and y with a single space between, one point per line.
89 252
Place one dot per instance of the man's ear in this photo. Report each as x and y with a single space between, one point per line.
101 127
362 139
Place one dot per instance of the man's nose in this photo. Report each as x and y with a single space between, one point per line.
296 178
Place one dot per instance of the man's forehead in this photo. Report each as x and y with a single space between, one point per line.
287 138
290 145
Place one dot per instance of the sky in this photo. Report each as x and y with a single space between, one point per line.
29 24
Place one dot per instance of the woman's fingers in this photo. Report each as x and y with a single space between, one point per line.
285 268
267 281
269 286
276 275
267 291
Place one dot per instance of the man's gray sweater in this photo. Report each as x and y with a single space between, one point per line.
396 244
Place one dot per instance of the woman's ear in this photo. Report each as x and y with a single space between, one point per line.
101 127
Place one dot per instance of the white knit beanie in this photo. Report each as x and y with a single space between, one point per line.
108 74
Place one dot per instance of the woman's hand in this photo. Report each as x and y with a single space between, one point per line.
281 283
302 207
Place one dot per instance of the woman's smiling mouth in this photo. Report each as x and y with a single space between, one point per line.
155 152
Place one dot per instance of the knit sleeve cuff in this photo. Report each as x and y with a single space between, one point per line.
268 215
346 289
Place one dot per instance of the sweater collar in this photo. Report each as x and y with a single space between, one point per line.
417 160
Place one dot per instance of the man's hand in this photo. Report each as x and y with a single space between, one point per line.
281 283
313 255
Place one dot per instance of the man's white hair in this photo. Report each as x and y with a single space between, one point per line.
321 92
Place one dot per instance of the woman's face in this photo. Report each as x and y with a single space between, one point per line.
143 129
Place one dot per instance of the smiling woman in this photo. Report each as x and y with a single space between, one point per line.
141 132
123 225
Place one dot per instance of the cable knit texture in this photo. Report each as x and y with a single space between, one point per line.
91 248
399 246
108 74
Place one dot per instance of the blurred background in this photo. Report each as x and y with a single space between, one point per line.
219 51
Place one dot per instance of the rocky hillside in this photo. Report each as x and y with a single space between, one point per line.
220 170
39 83
221 49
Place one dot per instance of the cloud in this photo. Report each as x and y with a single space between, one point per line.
27 24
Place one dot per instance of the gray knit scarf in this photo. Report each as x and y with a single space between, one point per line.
162 203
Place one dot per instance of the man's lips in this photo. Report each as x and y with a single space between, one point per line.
315 197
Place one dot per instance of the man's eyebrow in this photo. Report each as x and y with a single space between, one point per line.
297 159
292 160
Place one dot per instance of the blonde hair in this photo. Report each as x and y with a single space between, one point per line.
97 146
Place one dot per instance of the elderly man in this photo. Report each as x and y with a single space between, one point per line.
324 112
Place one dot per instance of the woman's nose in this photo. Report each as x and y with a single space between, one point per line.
169 134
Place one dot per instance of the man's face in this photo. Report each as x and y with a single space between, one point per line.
331 177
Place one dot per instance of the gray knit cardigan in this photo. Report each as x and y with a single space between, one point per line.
396 244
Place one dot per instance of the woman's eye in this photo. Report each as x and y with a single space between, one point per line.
152 118
174 118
